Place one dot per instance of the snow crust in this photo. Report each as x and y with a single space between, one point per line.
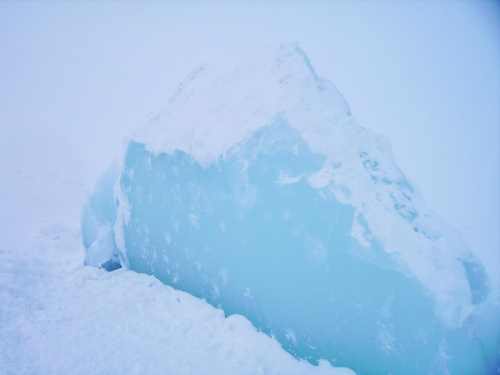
212 111
93 322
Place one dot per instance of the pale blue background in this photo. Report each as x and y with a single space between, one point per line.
75 77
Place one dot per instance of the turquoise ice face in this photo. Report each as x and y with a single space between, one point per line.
251 236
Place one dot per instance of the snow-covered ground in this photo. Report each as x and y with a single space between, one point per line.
59 317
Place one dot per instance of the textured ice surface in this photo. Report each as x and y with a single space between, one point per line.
59 317
260 193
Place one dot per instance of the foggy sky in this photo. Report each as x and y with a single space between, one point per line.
76 77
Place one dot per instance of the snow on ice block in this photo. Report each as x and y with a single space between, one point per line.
261 194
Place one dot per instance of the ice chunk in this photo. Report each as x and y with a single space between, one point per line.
264 197
99 216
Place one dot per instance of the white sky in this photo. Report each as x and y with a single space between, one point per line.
75 77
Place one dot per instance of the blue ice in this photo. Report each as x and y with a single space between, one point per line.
244 238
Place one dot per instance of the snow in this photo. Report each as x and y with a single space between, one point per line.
86 320
209 101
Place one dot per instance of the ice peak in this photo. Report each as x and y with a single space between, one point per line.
293 51
212 111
